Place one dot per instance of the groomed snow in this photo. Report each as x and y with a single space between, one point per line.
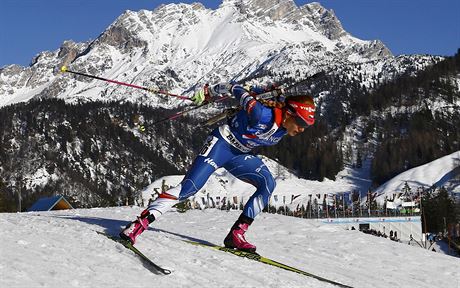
62 249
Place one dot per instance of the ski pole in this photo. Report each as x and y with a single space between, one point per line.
152 90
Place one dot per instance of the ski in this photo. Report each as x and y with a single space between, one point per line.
259 258
148 263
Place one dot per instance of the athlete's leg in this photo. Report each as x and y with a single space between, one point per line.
213 155
250 169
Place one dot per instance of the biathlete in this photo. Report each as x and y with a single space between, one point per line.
229 146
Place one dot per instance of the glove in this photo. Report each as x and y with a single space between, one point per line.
199 97
202 95
208 92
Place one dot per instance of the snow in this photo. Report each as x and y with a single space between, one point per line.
62 249
40 178
23 94
197 44
437 173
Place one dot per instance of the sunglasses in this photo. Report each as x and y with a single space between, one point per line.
299 121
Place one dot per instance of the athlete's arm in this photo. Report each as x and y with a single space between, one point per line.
252 107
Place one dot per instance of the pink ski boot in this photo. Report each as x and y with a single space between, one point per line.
235 238
136 227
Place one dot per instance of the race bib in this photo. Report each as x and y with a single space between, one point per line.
208 145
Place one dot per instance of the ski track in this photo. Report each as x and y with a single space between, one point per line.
62 249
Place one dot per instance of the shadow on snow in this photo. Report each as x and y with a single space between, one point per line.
113 227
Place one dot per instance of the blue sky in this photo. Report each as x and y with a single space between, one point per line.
28 27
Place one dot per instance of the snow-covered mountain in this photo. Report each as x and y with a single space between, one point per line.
444 171
94 151
62 249
178 46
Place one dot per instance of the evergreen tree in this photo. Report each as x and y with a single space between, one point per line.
438 209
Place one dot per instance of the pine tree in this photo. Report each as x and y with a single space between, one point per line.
438 209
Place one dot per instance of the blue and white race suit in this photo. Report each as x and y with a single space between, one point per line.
229 146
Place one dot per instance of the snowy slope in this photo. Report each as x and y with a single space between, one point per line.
61 249
437 173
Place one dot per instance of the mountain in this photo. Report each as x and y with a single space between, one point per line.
440 172
181 46
94 153
61 248
81 137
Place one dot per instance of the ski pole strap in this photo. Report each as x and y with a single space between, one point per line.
207 93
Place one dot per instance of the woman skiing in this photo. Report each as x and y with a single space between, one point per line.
229 146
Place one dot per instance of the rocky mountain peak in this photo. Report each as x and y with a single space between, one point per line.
273 9
323 20
68 51
314 15
177 45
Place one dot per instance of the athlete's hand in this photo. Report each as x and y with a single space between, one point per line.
199 97
202 95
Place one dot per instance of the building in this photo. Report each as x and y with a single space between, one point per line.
51 203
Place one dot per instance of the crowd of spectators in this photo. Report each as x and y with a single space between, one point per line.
393 234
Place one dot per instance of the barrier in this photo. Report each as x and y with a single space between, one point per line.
404 226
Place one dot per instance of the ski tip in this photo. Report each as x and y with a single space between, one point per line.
64 69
